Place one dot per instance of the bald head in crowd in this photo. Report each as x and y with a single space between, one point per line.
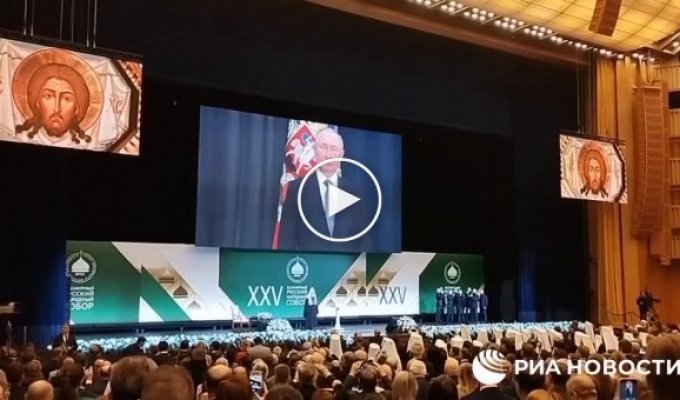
127 377
40 390
581 387
168 383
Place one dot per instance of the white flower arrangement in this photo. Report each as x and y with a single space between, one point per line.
430 331
264 316
278 330
279 325
406 324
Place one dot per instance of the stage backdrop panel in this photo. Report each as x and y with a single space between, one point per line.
57 97
592 169
115 282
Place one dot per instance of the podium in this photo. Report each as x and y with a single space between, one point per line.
8 313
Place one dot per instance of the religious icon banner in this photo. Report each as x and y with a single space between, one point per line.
62 98
592 169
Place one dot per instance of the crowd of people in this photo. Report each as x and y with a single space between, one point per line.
371 368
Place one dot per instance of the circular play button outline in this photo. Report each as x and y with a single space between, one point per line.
311 172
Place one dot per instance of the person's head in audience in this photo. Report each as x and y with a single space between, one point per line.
368 379
281 374
417 350
625 346
465 354
307 374
163 346
559 354
283 392
404 386
556 381
526 382
583 352
417 368
542 394
386 373
233 388
73 377
127 377
666 384
15 374
240 372
528 352
452 368
40 390
168 383
581 387
32 372
184 345
443 387
467 380
214 376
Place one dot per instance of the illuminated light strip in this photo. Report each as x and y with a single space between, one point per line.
456 7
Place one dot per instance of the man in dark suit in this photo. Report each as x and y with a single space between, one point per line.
317 203
65 339
163 356
483 304
135 349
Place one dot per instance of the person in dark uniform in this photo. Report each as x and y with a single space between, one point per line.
439 304
458 304
474 306
448 299
642 304
483 304
65 339
311 310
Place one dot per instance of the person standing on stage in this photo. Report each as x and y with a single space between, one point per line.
642 305
483 304
468 304
449 306
311 309
439 304
474 306
458 304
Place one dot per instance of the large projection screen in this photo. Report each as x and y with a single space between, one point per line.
57 97
592 169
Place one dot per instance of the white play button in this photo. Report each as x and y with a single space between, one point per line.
339 200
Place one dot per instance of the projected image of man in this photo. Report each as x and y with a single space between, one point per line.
317 200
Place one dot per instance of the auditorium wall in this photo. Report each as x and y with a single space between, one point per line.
482 114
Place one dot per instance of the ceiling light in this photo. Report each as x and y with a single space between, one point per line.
466 13
527 30
459 6
497 22
512 27
620 56
445 8
505 25
475 10
676 44
482 18
491 15
652 59
520 23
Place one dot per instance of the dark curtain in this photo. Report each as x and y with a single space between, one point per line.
552 277
33 238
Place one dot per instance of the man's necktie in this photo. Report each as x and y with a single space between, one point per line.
330 220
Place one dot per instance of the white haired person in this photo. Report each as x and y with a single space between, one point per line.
311 309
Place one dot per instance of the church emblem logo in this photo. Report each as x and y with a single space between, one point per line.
452 272
80 267
297 270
